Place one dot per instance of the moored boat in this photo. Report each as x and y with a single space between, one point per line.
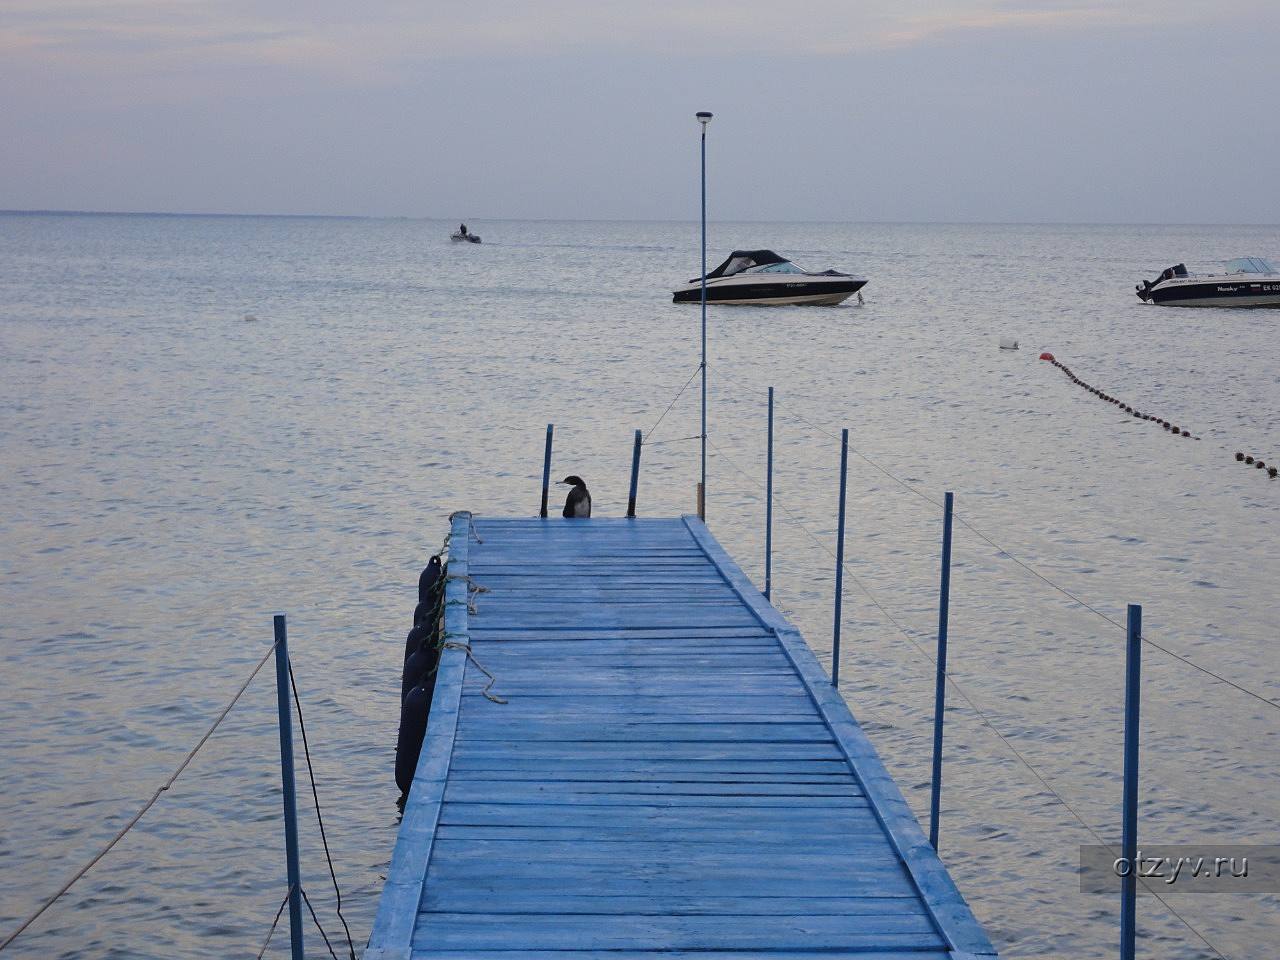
1247 282
762 277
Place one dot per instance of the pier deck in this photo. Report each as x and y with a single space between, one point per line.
672 775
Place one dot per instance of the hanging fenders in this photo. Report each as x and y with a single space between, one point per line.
418 676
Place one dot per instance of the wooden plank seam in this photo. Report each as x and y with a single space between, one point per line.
950 912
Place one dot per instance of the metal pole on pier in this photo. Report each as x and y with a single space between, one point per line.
940 686
546 470
704 118
635 475
1129 830
290 795
768 508
835 632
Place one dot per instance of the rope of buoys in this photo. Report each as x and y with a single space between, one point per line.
1175 430
1259 464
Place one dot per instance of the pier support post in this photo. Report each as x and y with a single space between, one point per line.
1129 830
940 684
290 794
835 630
768 508
635 474
546 470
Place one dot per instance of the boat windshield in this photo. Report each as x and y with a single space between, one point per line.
786 266
1251 265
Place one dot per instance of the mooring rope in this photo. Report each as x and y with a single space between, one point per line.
48 902
473 590
316 921
274 923
673 403
658 443
471 525
315 795
465 646
986 720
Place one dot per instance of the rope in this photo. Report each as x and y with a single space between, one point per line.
1176 431
315 795
466 647
960 692
473 590
1037 574
145 807
673 403
658 443
274 923
471 525
316 921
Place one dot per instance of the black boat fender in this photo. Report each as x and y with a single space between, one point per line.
413 730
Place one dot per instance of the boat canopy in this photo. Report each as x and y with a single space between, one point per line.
1251 265
741 260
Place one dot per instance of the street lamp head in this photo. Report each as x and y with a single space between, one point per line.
703 118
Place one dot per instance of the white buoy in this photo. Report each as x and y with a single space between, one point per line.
1008 343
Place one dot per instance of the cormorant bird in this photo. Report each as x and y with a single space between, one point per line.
578 503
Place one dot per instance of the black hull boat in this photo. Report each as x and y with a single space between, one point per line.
762 278
465 238
1247 282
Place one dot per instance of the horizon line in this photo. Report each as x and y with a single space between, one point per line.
431 219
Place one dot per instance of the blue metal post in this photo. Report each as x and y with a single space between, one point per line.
835 638
1129 832
290 796
546 470
940 685
635 475
768 509
704 118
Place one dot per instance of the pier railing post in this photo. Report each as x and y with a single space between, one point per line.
835 630
635 474
290 794
940 684
546 470
1129 830
768 508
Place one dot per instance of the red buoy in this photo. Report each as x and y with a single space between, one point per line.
1046 356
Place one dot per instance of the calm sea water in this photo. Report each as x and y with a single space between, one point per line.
174 474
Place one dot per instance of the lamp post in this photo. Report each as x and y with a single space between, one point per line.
704 118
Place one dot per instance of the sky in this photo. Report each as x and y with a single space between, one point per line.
893 110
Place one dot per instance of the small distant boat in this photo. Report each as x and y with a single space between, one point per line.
762 277
459 237
1247 282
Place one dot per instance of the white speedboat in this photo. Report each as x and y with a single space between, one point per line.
1247 282
762 277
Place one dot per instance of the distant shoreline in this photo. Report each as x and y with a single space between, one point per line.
340 216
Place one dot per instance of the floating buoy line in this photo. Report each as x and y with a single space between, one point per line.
1173 429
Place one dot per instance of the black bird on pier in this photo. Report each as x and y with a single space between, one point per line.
578 503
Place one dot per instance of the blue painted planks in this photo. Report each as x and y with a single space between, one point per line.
671 777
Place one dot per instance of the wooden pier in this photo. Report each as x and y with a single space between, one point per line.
672 774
